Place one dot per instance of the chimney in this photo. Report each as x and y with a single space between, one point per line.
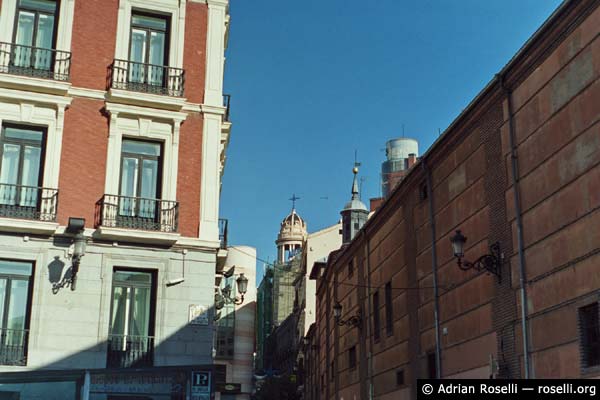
412 159
376 202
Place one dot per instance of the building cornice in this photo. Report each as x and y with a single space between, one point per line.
34 97
87 93
119 108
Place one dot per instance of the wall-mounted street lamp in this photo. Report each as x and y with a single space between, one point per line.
353 321
75 227
224 295
489 262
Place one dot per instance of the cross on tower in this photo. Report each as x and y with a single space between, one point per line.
293 200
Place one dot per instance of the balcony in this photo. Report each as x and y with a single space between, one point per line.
28 202
13 347
223 232
138 219
35 62
28 209
126 351
147 78
226 104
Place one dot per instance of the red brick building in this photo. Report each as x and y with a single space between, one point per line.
520 167
111 111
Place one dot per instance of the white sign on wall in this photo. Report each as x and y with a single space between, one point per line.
198 314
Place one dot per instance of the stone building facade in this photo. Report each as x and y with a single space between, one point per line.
518 168
114 131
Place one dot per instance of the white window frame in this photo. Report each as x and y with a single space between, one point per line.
176 34
143 123
25 109
64 29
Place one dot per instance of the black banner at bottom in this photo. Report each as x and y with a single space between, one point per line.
448 389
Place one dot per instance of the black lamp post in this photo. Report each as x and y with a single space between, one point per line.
489 262
224 295
353 321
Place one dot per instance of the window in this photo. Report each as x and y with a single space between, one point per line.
131 328
376 320
21 154
332 374
389 312
15 305
431 366
423 193
148 49
140 179
350 268
352 357
589 335
35 34
400 377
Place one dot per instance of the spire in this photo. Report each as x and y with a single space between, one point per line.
355 193
355 213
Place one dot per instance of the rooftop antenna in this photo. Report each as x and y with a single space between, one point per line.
293 200
362 180
402 130
356 163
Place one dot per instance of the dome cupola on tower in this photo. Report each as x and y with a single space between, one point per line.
292 234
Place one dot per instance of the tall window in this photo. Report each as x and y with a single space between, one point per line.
15 285
140 178
132 319
376 320
20 166
148 49
589 335
431 366
332 371
34 35
352 357
389 312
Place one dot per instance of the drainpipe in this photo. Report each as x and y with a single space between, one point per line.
519 220
436 302
369 317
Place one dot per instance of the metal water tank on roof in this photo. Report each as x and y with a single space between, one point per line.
401 148
397 164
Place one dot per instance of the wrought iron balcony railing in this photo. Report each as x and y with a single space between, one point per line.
137 213
147 78
28 202
223 232
226 104
36 62
13 346
126 351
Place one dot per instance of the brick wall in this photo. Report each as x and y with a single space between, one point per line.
558 147
93 42
194 56
188 176
556 118
83 160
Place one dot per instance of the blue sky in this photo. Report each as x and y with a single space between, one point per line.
314 80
